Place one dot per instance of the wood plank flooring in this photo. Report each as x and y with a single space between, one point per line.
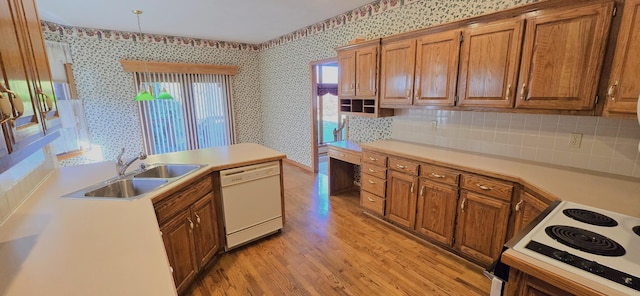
329 247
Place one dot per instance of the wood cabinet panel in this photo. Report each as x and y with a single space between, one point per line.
481 227
396 73
490 60
207 242
436 70
372 202
183 199
401 199
437 211
405 166
177 235
374 158
348 156
488 186
374 170
367 71
624 85
373 184
439 174
562 57
526 209
347 73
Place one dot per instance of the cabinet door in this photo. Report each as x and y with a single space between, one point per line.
366 69
489 64
534 287
347 75
527 209
44 95
206 229
401 199
437 69
15 78
177 235
437 211
624 85
562 57
482 226
396 73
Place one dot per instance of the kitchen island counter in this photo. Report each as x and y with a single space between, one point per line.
75 246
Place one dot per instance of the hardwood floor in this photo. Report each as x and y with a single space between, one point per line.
329 247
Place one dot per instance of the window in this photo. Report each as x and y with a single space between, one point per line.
200 115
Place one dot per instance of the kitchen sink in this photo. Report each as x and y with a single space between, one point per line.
124 188
167 171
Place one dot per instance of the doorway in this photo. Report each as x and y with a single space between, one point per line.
328 125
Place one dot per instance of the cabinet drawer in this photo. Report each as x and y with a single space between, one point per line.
440 174
375 158
373 184
374 170
372 202
488 186
350 157
178 201
405 166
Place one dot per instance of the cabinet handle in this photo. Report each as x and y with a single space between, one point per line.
401 166
48 103
197 218
16 103
342 155
508 93
5 108
372 182
522 92
422 190
412 184
408 94
370 199
357 86
190 223
171 269
464 200
373 159
612 90
372 171
351 87
484 187
416 93
518 205
437 176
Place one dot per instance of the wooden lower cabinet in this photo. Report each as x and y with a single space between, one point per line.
401 198
437 211
522 284
179 243
206 229
527 209
481 227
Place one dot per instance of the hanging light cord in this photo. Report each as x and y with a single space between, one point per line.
146 69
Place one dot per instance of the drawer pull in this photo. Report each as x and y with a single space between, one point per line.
370 199
518 205
401 166
341 154
464 200
422 190
484 187
373 158
372 182
437 176
372 171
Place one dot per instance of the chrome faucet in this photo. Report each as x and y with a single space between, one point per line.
121 166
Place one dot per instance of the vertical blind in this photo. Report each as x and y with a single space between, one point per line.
200 115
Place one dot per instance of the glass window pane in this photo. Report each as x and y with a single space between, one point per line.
329 74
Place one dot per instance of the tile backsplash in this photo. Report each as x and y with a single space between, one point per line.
609 145
17 183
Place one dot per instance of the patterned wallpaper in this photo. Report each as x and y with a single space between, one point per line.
107 91
285 78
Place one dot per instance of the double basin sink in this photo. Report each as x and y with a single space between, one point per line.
138 182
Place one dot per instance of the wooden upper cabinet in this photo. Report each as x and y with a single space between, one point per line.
367 71
437 69
489 62
562 57
624 83
347 75
396 73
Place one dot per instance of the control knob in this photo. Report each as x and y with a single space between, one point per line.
592 266
563 256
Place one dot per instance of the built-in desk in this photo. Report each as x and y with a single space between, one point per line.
343 156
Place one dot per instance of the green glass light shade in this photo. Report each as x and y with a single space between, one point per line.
164 95
143 96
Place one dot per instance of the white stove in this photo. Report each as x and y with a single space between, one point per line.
599 245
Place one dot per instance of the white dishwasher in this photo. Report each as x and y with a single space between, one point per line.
251 201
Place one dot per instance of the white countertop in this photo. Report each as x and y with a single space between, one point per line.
61 246
611 192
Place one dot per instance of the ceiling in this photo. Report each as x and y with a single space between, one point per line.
246 21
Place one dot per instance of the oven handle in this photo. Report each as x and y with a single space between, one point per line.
498 273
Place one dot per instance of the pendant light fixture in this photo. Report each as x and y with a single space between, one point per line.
144 95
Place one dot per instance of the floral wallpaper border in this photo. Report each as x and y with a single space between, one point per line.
362 12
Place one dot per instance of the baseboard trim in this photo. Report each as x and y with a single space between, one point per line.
298 165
